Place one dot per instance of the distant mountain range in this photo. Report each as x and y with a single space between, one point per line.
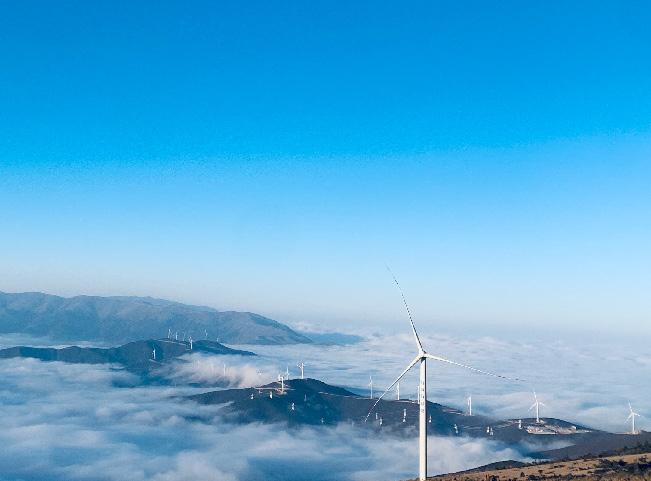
118 320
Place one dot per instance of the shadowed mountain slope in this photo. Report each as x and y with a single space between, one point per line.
122 319
312 402
135 356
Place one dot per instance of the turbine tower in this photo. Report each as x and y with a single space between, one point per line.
371 386
470 405
536 405
422 388
302 365
632 418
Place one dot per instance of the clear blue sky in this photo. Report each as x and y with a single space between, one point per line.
272 156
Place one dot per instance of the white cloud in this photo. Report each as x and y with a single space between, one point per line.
64 421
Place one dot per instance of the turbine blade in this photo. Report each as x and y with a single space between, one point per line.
393 384
436 358
534 405
629 416
413 328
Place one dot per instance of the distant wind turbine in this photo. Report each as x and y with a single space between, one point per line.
370 384
632 418
536 405
302 365
422 391
470 405
154 354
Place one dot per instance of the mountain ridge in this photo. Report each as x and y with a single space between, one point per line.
121 319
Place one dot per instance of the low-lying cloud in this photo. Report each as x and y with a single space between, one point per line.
66 421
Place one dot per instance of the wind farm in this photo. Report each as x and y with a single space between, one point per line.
296 401
199 200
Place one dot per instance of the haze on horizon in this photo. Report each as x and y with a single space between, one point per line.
272 158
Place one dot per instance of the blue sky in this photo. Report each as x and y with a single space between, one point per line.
273 157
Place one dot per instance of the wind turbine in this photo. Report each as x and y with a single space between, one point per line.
287 373
154 353
371 386
470 405
422 391
632 417
536 405
302 365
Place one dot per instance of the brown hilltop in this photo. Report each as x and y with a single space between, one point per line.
630 464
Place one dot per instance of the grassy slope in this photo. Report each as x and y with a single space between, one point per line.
626 464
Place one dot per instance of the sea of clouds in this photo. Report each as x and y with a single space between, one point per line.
66 421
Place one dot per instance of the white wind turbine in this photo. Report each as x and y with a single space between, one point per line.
470 405
422 390
370 384
302 365
632 418
536 405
